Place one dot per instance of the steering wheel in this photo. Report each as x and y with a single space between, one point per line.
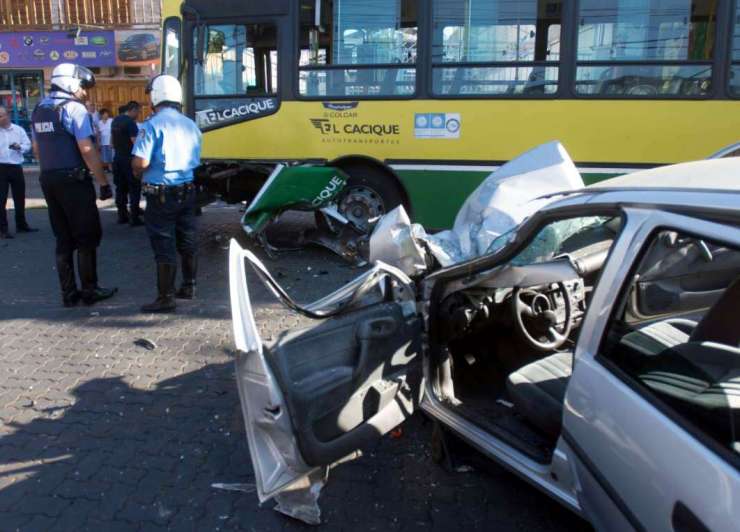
537 320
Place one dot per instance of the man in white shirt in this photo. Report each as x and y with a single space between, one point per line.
14 143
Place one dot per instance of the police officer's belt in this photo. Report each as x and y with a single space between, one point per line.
155 190
80 173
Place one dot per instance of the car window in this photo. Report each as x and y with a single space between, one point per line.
676 336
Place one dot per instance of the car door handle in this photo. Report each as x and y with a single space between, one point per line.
367 332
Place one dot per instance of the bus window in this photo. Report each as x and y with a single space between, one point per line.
674 38
375 41
496 47
238 60
171 56
735 69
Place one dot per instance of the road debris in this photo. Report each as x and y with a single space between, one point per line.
145 343
243 487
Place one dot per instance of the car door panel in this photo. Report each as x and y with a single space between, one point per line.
317 394
689 277
345 375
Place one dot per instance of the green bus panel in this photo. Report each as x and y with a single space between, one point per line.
437 195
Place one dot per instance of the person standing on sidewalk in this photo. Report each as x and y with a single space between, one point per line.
167 151
13 144
128 189
64 144
104 139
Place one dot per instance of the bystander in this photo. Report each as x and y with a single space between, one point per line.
128 189
104 139
14 143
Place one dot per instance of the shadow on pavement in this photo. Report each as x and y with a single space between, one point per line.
118 458
128 455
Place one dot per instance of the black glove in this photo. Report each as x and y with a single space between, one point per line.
105 192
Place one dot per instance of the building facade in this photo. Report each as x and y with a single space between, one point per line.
119 40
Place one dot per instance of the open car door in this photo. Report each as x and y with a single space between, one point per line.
313 396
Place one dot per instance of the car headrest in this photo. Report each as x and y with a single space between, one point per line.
720 323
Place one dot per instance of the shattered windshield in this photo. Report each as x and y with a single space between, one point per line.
548 243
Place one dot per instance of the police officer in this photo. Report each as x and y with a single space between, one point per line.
166 152
63 142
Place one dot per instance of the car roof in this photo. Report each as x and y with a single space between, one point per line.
710 174
709 186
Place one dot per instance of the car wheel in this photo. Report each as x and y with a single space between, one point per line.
368 194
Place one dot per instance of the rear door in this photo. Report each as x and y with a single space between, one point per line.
654 436
682 274
315 395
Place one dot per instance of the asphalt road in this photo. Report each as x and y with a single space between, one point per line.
97 433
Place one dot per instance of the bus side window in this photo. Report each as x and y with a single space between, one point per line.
734 75
375 40
654 31
496 48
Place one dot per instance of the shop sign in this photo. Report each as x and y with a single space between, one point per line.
38 49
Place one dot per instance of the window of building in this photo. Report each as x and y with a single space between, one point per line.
356 48
735 55
645 48
676 337
496 47
237 60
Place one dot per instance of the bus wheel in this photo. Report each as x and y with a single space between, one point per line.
369 193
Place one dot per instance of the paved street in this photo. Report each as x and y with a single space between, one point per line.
97 433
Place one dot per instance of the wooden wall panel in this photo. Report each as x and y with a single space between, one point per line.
45 14
111 94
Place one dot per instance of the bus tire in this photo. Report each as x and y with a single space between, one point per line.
371 191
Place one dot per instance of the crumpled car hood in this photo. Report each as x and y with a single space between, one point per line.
505 198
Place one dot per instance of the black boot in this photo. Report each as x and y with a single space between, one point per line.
122 215
136 219
66 271
165 301
189 271
87 265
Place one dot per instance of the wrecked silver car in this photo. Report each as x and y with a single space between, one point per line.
594 351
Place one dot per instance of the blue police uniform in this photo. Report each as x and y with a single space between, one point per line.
58 122
171 143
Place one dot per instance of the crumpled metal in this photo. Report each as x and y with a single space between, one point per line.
301 500
503 200
395 240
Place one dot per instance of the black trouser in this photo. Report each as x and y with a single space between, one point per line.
128 188
72 210
11 177
171 224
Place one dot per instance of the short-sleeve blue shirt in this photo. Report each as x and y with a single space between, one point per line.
170 141
75 118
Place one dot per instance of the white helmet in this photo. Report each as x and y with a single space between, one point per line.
164 88
70 77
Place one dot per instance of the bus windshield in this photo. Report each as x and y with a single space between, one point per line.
238 60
